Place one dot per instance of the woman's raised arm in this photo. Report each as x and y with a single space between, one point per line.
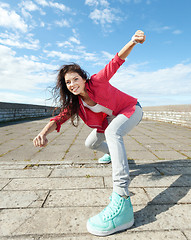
139 37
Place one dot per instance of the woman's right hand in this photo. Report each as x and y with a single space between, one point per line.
40 140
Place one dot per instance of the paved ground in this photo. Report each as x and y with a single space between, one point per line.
49 193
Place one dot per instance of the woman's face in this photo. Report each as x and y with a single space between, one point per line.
75 83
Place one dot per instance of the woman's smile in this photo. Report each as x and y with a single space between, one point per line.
75 83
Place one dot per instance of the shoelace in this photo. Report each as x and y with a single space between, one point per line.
112 209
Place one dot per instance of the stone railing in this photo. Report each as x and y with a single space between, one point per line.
17 111
177 114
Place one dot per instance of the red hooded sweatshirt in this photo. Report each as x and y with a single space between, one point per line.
102 92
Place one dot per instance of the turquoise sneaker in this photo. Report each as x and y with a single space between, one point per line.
117 216
105 159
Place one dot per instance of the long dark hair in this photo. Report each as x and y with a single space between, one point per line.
66 99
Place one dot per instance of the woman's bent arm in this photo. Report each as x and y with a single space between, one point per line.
41 140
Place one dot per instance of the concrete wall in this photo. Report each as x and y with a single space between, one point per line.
177 114
16 111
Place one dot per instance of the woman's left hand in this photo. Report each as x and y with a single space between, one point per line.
139 37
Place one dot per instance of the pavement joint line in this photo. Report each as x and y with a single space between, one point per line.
41 149
91 206
68 149
42 206
25 221
6 184
146 193
11 150
146 148
184 234
85 234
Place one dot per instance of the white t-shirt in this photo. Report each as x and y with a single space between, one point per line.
99 108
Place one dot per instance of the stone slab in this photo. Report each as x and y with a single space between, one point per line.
158 235
67 221
25 173
141 155
157 146
22 199
170 155
175 170
78 152
90 197
162 217
55 183
155 181
169 195
4 182
81 172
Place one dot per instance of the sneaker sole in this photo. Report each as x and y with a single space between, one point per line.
105 162
106 233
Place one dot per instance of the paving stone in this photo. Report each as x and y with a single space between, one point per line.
44 221
162 217
140 155
89 197
4 182
187 153
128 235
175 170
81 172
20 154
181 146
64 221
170 155
4 166
157 146
78 152
51 153
169 195
54 183
24 173
22 199
149 180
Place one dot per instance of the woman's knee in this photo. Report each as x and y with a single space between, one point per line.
110 131
89 144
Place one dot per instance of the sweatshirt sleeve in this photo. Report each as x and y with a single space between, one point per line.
109 70
60 119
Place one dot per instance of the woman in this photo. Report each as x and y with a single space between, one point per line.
112 114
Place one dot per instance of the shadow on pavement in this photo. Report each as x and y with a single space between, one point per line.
168 197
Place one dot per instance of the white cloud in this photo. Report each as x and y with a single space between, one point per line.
74 40
22 98
168 81
95 3
29 6
59 6
23 73
62 23
103 14
10 19
14 39
43 3
177 32
92 3
53 4
62 56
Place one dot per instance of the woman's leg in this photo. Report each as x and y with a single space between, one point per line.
96 141
114 133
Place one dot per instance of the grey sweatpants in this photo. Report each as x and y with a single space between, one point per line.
114 145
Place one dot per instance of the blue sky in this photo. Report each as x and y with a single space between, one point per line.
38 36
